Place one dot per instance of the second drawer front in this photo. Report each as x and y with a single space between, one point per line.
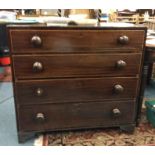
76 115
75 90
80 65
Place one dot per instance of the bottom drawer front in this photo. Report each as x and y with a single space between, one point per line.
76 115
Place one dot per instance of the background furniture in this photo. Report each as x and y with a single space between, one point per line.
76 77
149 60
150 47
137 16
136 19
150 23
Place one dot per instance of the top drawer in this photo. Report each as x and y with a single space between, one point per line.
74 41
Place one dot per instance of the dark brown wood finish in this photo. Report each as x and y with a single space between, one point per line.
75 90
79 65
66 77
76 115
68 41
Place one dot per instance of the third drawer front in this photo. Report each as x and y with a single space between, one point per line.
75 90
79 65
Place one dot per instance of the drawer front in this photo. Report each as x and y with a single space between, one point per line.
79 65
75 90
76 115
65 41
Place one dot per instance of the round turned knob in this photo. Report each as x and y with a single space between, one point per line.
39 92
116 112
40 117
120 64
123 40
36 41
118 89
37 66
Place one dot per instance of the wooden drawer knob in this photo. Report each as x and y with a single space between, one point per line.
116 112
36 41
40 117
123 40
118 89
37 66
39 92
120 64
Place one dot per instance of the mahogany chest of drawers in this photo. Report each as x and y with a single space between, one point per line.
76 77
